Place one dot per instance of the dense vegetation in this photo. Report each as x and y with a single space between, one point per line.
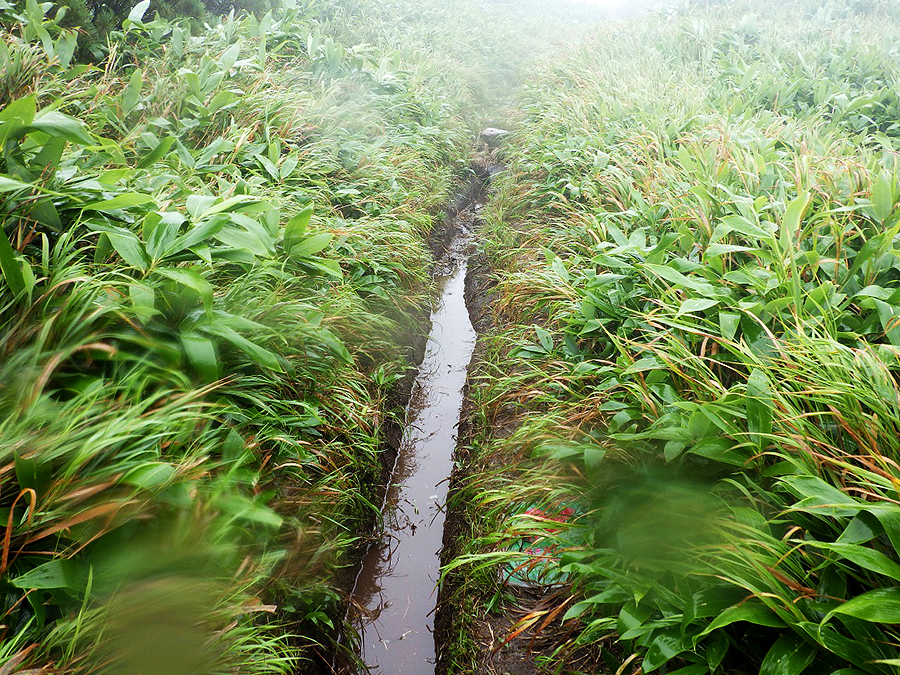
696 250
214 264
214 267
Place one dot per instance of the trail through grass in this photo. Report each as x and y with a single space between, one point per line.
214 268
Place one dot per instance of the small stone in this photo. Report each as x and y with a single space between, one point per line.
493 136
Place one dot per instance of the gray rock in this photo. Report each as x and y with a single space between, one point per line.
493 137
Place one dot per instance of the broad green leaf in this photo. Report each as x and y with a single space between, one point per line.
759 407
545 338
21 110
335 345
132 93
692 305
643 364
665 646
883 196
879 292
53 574
230 56
32 473
122 201
818 497
593 456
220 100
29 278
259 354
613 595
198 204
889 315
711 601
559 450
65 45
330 267
865 557
680 280
136 15
728 324
49 156
242 508
199 234
129 247
44 212
790 655
10 265
720 249
743 226
157 152
879 606
161 233
311 245
790 224
870 249
191 278
856 652
236 203
888 516
201 353
142 295
103 249
149 475
269 166
288 167
693 669
751 611
11 185
716 646
62 126
863 528
234 448
296 227
242 239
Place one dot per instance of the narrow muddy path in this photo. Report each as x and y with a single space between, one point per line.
396 591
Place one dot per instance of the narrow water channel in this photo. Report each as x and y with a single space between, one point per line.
396 587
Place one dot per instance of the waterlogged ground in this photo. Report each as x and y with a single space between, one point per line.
396 587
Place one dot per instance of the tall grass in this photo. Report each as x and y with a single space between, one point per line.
695 245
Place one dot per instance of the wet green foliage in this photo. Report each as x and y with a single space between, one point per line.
212 264
698 254
213 270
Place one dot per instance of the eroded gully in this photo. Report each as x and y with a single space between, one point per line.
395 592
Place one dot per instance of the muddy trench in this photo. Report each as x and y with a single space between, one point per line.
394 596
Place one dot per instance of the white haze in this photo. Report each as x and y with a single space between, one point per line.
623 7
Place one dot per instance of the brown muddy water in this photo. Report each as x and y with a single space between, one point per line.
395 593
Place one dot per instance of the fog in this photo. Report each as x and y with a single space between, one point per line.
623 7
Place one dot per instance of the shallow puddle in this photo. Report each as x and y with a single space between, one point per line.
397 583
